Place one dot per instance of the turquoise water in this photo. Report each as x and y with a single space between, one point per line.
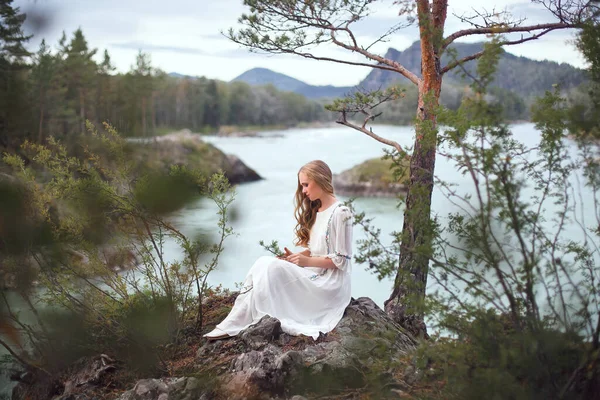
264 209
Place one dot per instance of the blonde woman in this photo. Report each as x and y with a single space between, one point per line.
307 291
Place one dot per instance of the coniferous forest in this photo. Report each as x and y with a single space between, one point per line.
53 91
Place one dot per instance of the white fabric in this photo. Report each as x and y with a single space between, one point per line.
306 300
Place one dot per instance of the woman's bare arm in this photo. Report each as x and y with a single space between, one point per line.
307 261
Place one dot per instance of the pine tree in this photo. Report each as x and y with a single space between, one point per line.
48 95
12 38
79 73
105 94
212 108
142 80
13 85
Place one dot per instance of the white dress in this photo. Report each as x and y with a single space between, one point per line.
306 300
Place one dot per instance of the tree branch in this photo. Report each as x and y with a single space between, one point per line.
475 56
500 29
366 108
381 60
389 32
289 28
369 132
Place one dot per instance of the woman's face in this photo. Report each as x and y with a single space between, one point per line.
309 187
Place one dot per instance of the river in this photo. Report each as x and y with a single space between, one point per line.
265 208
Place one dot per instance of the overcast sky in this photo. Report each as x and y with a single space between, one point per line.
184 35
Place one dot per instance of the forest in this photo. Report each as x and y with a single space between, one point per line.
53 91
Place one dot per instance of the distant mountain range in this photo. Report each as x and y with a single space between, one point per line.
264 76
520 75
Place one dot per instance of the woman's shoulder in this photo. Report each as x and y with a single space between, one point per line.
342 210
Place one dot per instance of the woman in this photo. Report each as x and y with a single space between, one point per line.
307 291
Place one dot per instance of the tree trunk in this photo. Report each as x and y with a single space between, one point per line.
41 127
82 110
405 304
144 116
153 111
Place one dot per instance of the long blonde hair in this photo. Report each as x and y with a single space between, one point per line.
306 210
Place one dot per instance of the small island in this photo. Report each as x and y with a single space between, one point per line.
372 178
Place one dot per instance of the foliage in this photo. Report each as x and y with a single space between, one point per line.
298 27
13 72
54 91
100 254
514 299
272 248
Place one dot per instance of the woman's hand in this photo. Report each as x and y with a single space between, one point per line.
286 254
298 258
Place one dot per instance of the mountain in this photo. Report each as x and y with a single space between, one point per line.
520 75
264 76
178 75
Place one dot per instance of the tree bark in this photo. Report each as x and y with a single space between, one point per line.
405 304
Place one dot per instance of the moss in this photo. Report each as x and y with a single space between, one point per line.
377 170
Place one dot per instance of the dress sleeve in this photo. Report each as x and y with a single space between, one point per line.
339 238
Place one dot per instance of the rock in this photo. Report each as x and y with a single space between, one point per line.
87 374
234 133
189 149
267 330
372 178
167 389
238 172
7 178
267 362
366 350
84 377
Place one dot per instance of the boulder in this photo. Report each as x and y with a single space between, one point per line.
264 362
87 373
238 172
372 178
189 149
366 354
186 388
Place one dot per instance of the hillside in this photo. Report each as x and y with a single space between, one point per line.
520 75
264 76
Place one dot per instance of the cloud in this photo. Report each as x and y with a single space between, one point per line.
152 48
212 36
184 35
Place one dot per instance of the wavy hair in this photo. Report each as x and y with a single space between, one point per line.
305 209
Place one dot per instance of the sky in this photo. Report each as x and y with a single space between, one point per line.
186 36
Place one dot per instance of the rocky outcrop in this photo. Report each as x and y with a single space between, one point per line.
167 389
238 172
366 349
367 353
87 374
372 178
187 148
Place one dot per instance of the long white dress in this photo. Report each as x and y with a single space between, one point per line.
306 300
